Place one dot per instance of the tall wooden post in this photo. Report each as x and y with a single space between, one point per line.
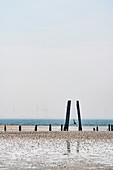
79 117
66 126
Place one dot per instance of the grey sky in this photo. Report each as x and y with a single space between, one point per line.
52 51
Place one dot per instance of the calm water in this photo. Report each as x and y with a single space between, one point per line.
54 122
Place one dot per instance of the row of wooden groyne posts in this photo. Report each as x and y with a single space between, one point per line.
110 128
66 125
35 128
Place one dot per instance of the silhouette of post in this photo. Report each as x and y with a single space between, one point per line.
97 128
50 127
61 127
5 128
66 126
19 127
35 127
109 127
79 117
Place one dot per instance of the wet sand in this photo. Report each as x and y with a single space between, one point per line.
56 150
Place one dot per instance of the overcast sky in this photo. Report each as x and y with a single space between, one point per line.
52 51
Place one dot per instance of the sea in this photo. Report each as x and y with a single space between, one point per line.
86 123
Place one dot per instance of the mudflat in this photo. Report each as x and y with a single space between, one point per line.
56 150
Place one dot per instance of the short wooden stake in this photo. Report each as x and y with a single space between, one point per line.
50 127
35 127
97 128
109 127
93 129
61 127
19 128
5 128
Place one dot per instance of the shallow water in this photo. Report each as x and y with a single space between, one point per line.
30 152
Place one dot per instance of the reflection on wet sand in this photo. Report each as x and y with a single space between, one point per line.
78 145
68 147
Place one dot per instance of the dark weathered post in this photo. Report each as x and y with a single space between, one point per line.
66 126
5 128
35 127
97 128
79 117
109 127
61 127
19 128
93 129
50 127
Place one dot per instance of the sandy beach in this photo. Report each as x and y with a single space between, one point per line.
56 150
